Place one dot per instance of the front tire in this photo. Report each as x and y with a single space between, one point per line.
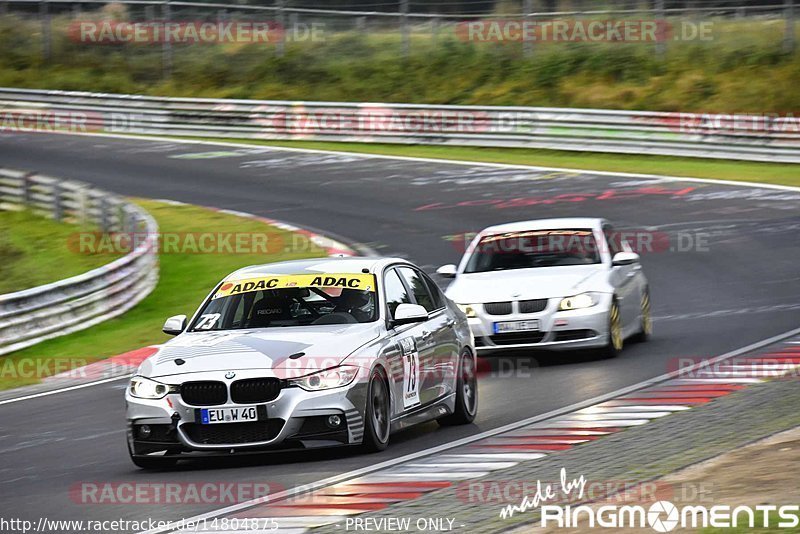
615 338
466 393
377 414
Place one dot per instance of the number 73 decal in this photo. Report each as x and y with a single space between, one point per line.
408 348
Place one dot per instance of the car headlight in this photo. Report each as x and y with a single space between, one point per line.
584 300
145 388
330 378
468 310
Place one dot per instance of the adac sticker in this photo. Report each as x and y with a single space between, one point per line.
364 282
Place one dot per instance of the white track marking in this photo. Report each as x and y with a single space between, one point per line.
372 470
62 390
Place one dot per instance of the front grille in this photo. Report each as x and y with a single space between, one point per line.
497 308
515 338
532 306
572 335
233 433
255 390
207 393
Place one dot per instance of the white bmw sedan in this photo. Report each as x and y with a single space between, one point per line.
566 283
300 355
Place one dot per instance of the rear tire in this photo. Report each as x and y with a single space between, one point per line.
615 339
466 393
646 319
377 414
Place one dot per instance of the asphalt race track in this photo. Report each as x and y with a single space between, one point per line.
737 283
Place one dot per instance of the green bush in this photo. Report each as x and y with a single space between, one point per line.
743 69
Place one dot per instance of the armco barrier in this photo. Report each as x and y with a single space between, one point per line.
30 316
743 137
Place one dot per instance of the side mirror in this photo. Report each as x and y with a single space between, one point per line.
625 258
174 325
448 271
409 313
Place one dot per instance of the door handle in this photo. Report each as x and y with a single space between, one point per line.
450 323
425 335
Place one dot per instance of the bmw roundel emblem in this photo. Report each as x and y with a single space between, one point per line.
230 374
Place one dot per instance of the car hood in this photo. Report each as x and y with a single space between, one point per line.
321 347
524 284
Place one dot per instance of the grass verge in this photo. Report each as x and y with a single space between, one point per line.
185 279
768 173
35 251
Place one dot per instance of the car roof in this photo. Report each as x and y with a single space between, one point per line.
546 224
332 264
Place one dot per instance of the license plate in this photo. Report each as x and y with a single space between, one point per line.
515 326
238 414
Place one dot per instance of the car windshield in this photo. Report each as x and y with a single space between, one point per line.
533 248
290 300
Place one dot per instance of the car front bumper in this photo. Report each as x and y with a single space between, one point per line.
294 419
558 330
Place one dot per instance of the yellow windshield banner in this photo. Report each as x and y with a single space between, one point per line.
364 282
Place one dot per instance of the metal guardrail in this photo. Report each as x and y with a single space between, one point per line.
33 315
741 137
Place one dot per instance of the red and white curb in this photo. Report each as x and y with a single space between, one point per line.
414 478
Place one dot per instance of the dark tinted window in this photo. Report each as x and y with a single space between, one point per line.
436 293
396 293
534 248
420 288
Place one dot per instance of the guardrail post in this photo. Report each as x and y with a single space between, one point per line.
26 189
102 204
58 204
789 36
44 15
661 44
166 46
527 44
404 29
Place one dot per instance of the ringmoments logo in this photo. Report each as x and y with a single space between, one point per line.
660 516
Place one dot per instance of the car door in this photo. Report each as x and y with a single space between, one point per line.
623 278
438 346
404 362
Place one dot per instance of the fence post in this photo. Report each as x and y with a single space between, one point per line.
44 15
166 46
280 46
404 29
434 30
527 44
789 37
661 43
